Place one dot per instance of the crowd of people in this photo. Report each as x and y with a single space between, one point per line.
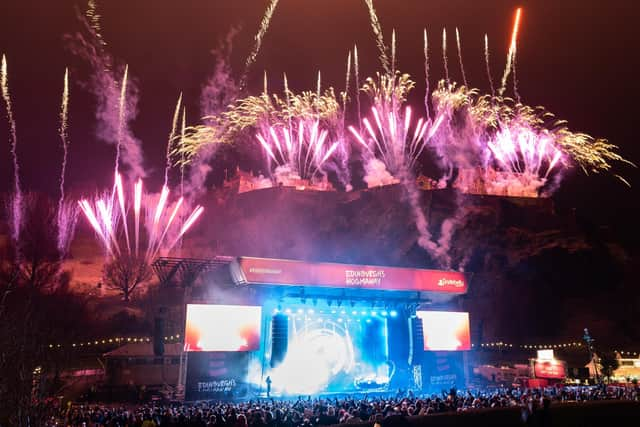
328 411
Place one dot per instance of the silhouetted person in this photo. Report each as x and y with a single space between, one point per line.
268 381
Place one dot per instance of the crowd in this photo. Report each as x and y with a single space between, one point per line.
328 411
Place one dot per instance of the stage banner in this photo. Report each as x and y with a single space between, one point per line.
266 271
217 375
442 370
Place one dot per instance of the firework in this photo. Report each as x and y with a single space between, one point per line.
67 213
522 150
174 125
445 61
121 116
356 72
459 45
426 73
64 112
16 204
377 32
487 64
109 221
393 140
94 18
264 26
300 149
182 133
511 53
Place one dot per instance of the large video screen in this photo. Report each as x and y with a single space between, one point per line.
445 330
222 327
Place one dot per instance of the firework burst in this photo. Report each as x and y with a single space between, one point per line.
108 216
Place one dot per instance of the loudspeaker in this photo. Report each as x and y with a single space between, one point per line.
416 344
279 338
158 332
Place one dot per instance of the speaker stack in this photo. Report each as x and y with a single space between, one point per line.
279 338
416 345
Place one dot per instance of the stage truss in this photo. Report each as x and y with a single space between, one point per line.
184 271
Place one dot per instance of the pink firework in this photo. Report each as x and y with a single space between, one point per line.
108 216
302 148
522 150
394 139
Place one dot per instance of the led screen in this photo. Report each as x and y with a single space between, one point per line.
445 330
222 328
553 369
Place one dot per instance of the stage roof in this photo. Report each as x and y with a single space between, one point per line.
349 280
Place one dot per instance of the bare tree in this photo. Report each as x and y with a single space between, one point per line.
125 272
37 313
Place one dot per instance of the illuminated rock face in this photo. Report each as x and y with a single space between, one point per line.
532 271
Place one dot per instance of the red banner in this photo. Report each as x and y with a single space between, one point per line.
299 273
553 369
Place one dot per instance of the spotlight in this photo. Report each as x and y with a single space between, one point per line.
384 313
333 312
368 320
339 319
354 312
310 311
374 313
393 313
343 312
276 311
288 311
300 310
364 313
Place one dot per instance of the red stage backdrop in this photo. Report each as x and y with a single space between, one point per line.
222 327
299 273
445 330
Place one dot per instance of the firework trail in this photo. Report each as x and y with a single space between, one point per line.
174 125
16 204
67 219
264 26
487 63
64 112
182 134
444 54
426 73
511 53
93 17
67 213
116 98
377 32
121 116
459 45
319 85
515 76
346 90
109 222
356 71
393 51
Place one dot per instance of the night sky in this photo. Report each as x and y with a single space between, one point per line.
577 58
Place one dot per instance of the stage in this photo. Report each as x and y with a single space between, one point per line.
322 329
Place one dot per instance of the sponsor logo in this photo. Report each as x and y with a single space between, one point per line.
456 283
219 386
364 277
262 270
